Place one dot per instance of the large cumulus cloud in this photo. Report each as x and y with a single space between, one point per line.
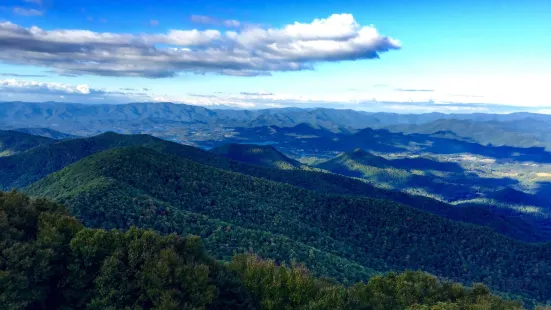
248 52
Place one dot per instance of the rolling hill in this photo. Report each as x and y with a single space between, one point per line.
14 142
339 236
445 180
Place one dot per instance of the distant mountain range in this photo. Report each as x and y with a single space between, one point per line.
307 139
534 130
96 118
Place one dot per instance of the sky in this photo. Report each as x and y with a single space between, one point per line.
396 56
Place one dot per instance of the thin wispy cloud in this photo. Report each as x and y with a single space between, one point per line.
39 2
27 12
154 22
213 21
415 90
256 93
9 74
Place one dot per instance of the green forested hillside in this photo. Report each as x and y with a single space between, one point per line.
264 155
338 236
442 180
23 169
13 142
50 261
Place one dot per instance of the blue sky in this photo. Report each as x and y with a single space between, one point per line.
399 56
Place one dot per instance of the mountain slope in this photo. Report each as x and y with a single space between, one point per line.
56 263
22 169
445 180
263 155
13 142
138 186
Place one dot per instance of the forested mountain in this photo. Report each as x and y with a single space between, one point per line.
23 169
46 132
339 236
13 142
50 261
264 155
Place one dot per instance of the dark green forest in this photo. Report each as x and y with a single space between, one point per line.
14 142
48 260
343 237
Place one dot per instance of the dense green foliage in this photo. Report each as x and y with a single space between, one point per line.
264 155
13 142
50 261
336 236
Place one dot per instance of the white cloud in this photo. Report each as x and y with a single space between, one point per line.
43 91
248 52
392 100
13 85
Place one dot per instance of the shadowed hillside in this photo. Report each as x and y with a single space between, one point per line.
22 169
263 155
14 142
